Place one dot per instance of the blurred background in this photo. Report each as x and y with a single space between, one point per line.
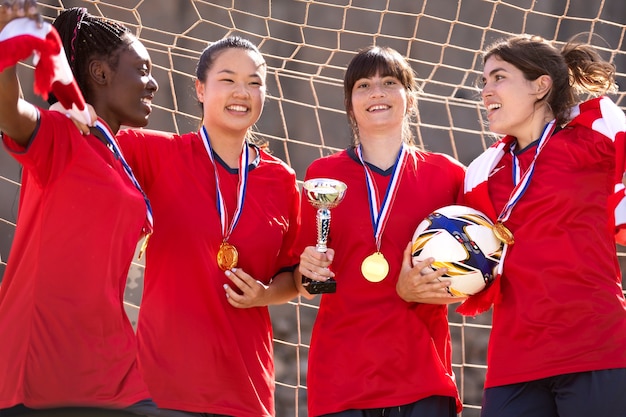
307 45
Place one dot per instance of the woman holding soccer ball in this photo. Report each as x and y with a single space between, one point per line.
552 185
379 347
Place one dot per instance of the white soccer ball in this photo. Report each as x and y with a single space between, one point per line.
461 239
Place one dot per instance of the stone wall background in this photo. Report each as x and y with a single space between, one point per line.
300 126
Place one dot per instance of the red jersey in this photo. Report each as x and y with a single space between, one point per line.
66 340
197 352
370 348
560 307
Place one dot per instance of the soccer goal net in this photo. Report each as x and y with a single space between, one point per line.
307 45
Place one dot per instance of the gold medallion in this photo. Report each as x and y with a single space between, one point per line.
375 267
144 245
227 256
503 233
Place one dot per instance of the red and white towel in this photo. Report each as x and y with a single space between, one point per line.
22 38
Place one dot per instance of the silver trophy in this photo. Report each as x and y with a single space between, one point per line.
323 194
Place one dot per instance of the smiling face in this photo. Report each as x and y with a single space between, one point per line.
513 103
380 95
379 103
233 92
130 88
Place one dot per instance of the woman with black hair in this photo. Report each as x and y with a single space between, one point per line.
226 216
66 340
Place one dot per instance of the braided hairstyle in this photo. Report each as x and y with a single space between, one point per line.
86 37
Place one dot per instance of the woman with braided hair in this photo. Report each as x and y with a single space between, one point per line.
66 342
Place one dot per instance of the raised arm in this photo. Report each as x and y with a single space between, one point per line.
18 118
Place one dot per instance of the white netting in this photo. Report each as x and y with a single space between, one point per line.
307 45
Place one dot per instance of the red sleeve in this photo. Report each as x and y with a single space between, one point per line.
307 235
602 115
146 151
617 202
288 256
50 148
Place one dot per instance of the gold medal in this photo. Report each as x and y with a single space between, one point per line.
227 256
144 245
503 233
375 267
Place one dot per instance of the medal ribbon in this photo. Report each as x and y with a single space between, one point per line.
241 188
108 136
521 182
380 216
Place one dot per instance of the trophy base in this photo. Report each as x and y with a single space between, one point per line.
319 287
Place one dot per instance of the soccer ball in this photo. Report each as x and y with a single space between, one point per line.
461 239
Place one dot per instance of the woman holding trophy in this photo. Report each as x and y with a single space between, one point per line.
383 187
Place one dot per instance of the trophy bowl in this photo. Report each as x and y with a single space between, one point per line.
324 193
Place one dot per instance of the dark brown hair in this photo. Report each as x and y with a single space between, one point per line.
575 69
388 63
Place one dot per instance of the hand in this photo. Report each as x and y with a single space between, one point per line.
77 117
251 292
314 265
422 284
14 9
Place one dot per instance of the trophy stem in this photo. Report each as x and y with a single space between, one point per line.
323 227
